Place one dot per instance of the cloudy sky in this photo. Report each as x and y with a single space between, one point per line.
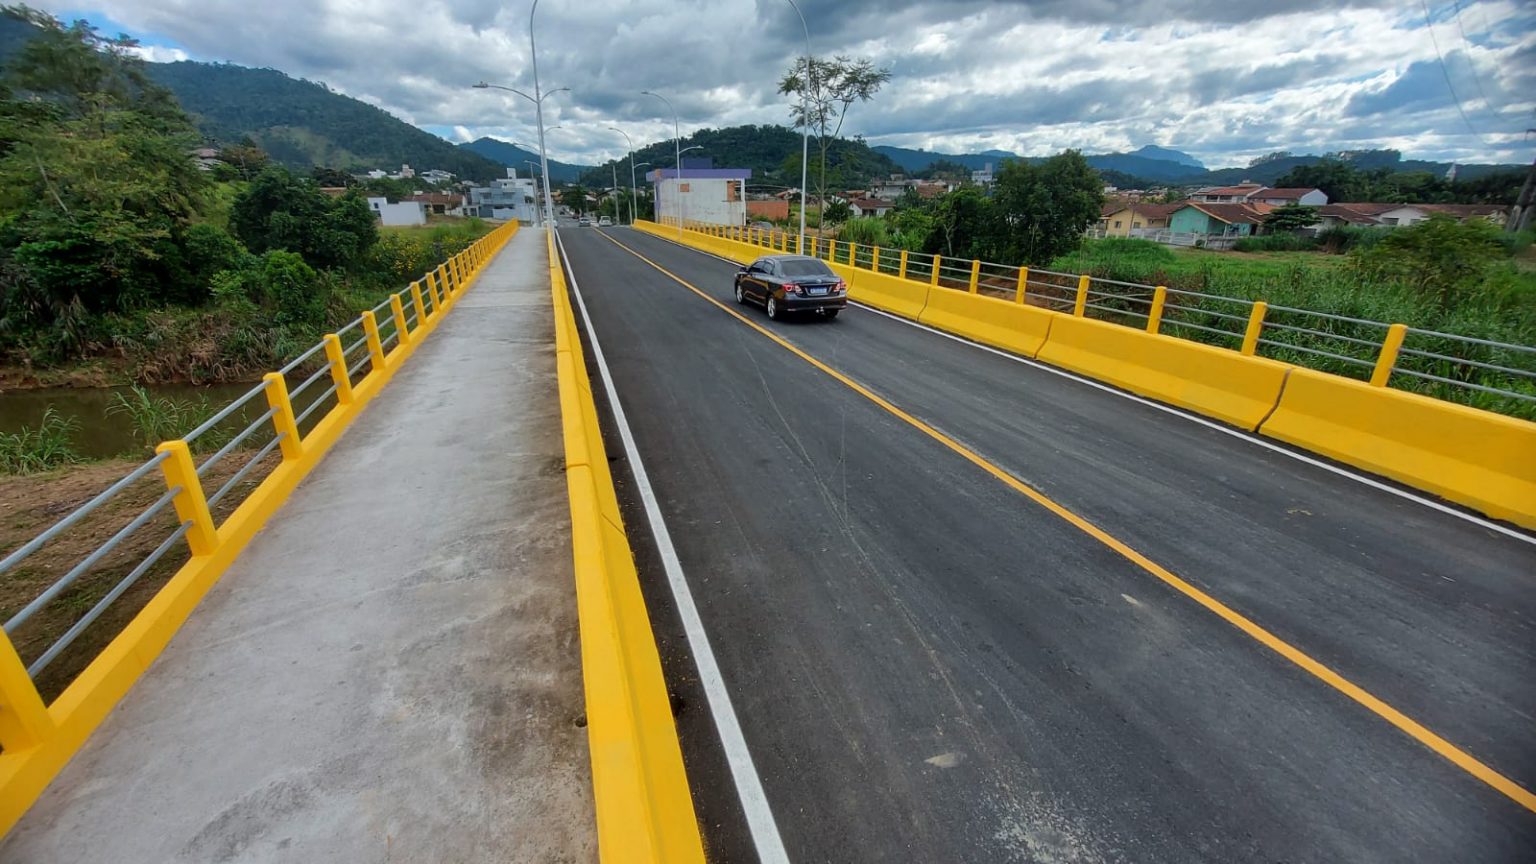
1225 81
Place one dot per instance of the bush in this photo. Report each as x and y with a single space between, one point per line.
1343 238
161 418
1439 258
279 284
866 230
1286 242
48 446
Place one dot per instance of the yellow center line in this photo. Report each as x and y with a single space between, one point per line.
1322 672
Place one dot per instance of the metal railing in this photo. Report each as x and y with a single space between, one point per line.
277 416
1497 376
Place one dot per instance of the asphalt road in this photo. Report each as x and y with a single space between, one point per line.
929 665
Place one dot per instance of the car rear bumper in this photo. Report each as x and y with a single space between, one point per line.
808 304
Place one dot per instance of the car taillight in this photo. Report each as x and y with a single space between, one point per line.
840 287
792 288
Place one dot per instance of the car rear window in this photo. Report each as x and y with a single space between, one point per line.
805 267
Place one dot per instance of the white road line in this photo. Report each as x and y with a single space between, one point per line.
1193 418
749 787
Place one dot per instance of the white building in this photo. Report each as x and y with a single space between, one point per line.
436 175
509 197
704 194
398 212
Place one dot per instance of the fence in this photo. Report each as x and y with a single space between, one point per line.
205 512
1496 376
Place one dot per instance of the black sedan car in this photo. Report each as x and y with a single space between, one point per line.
792 283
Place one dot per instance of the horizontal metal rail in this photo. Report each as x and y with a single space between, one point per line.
90 560
95 612
1529 349
1214 314
223 413
245 469
1478 363
80 512
235 441
1344 358
313 377
1276 325
1398 370
319 400
294 363
1174 322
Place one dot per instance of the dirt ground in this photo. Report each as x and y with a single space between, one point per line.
30 504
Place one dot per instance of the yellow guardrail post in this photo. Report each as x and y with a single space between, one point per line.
1023 286
1080 306
181 473
24 719
397 311
832 250
975 273
283 419
1387 359
815 247
1155 316
421 309
874 258
901 265
933 278
1255 327
375 345
338 361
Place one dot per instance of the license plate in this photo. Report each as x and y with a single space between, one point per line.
818 292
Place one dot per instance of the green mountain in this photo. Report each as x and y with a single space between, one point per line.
305 123
299 123
513 156
772 152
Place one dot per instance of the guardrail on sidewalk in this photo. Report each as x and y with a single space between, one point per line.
1437 364
1473 457
37 737
640 789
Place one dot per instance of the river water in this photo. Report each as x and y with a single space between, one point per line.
102 434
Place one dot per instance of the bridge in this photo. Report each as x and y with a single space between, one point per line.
607 564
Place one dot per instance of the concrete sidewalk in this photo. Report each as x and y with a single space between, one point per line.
391 671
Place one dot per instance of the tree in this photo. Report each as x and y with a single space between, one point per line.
332 177
834 86
1044 208
1438 257
836 212
281 211
965 225
96 187
246 158
574 197
1290 217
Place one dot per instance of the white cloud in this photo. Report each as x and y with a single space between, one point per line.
1225 82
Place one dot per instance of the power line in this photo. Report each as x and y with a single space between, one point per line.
1447 73
1476 79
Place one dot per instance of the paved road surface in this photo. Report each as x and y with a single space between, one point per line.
930 666
390 672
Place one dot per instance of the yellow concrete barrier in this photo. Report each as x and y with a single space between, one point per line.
988 320
1212 381
644 809
1477 458
39 740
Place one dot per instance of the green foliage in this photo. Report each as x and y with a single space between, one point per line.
1339 239
281 211
1439 258
1044 207
94 182
837 212
965 225
574 196
1286 242
161 418
50 445
1290 217
1354 181
279 284
246 159
865 230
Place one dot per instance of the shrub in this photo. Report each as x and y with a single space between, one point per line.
1439 258
866 230
161 418
1286 242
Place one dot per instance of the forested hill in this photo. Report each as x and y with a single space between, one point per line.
304 123
298 122
513 156
772 152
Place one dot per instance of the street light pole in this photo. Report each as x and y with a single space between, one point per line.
538 104
631 172
677 144
805 116
538 101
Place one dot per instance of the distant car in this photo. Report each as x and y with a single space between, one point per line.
792 283
604 222
584 222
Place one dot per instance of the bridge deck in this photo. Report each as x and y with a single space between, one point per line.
930 666
390 672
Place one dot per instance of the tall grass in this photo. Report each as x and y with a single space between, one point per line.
50 445
161 418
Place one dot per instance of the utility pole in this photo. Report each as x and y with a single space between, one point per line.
1525 204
